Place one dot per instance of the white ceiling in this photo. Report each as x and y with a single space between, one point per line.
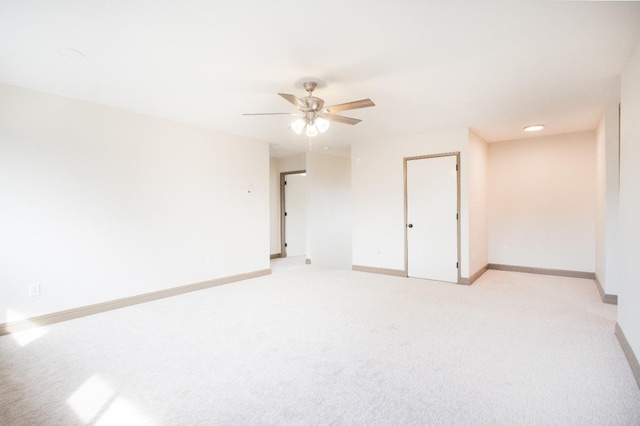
493 66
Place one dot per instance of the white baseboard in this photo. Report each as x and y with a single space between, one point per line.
374 270
542 271
42 320
628 352
606 298
472 278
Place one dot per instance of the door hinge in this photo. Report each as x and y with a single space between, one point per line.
456 167
285 213
285 182
285 244
456 216
456 263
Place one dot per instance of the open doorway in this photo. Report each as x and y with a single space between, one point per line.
293 213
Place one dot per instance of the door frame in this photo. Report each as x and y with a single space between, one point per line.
406 205
283 206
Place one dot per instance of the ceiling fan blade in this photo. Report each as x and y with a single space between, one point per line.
295 101
272 113
341 119
362 103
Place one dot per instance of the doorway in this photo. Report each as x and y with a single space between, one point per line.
293 213
432 212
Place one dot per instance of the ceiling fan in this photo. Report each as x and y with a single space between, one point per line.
314 116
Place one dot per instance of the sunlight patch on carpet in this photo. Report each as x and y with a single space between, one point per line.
122 412
96 402
90 398
23 338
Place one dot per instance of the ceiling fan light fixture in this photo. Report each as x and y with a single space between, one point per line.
315 118
322 124
311 130
298 125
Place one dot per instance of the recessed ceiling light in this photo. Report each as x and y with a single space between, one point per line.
70 53
534 128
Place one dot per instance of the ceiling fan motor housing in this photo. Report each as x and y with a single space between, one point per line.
313 103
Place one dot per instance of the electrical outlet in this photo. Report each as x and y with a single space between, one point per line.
34 290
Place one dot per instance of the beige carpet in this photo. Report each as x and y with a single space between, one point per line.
310 346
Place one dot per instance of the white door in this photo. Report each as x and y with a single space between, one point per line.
432 222
295 203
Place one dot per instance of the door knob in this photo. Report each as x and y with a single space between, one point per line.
410 225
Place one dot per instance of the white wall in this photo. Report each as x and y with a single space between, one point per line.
478 208
99 204
293 164
277 166
378 195
629 295
607 193
329 210
542 200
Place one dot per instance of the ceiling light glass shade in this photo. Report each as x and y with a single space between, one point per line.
312 130
322 124
534 128
298 125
